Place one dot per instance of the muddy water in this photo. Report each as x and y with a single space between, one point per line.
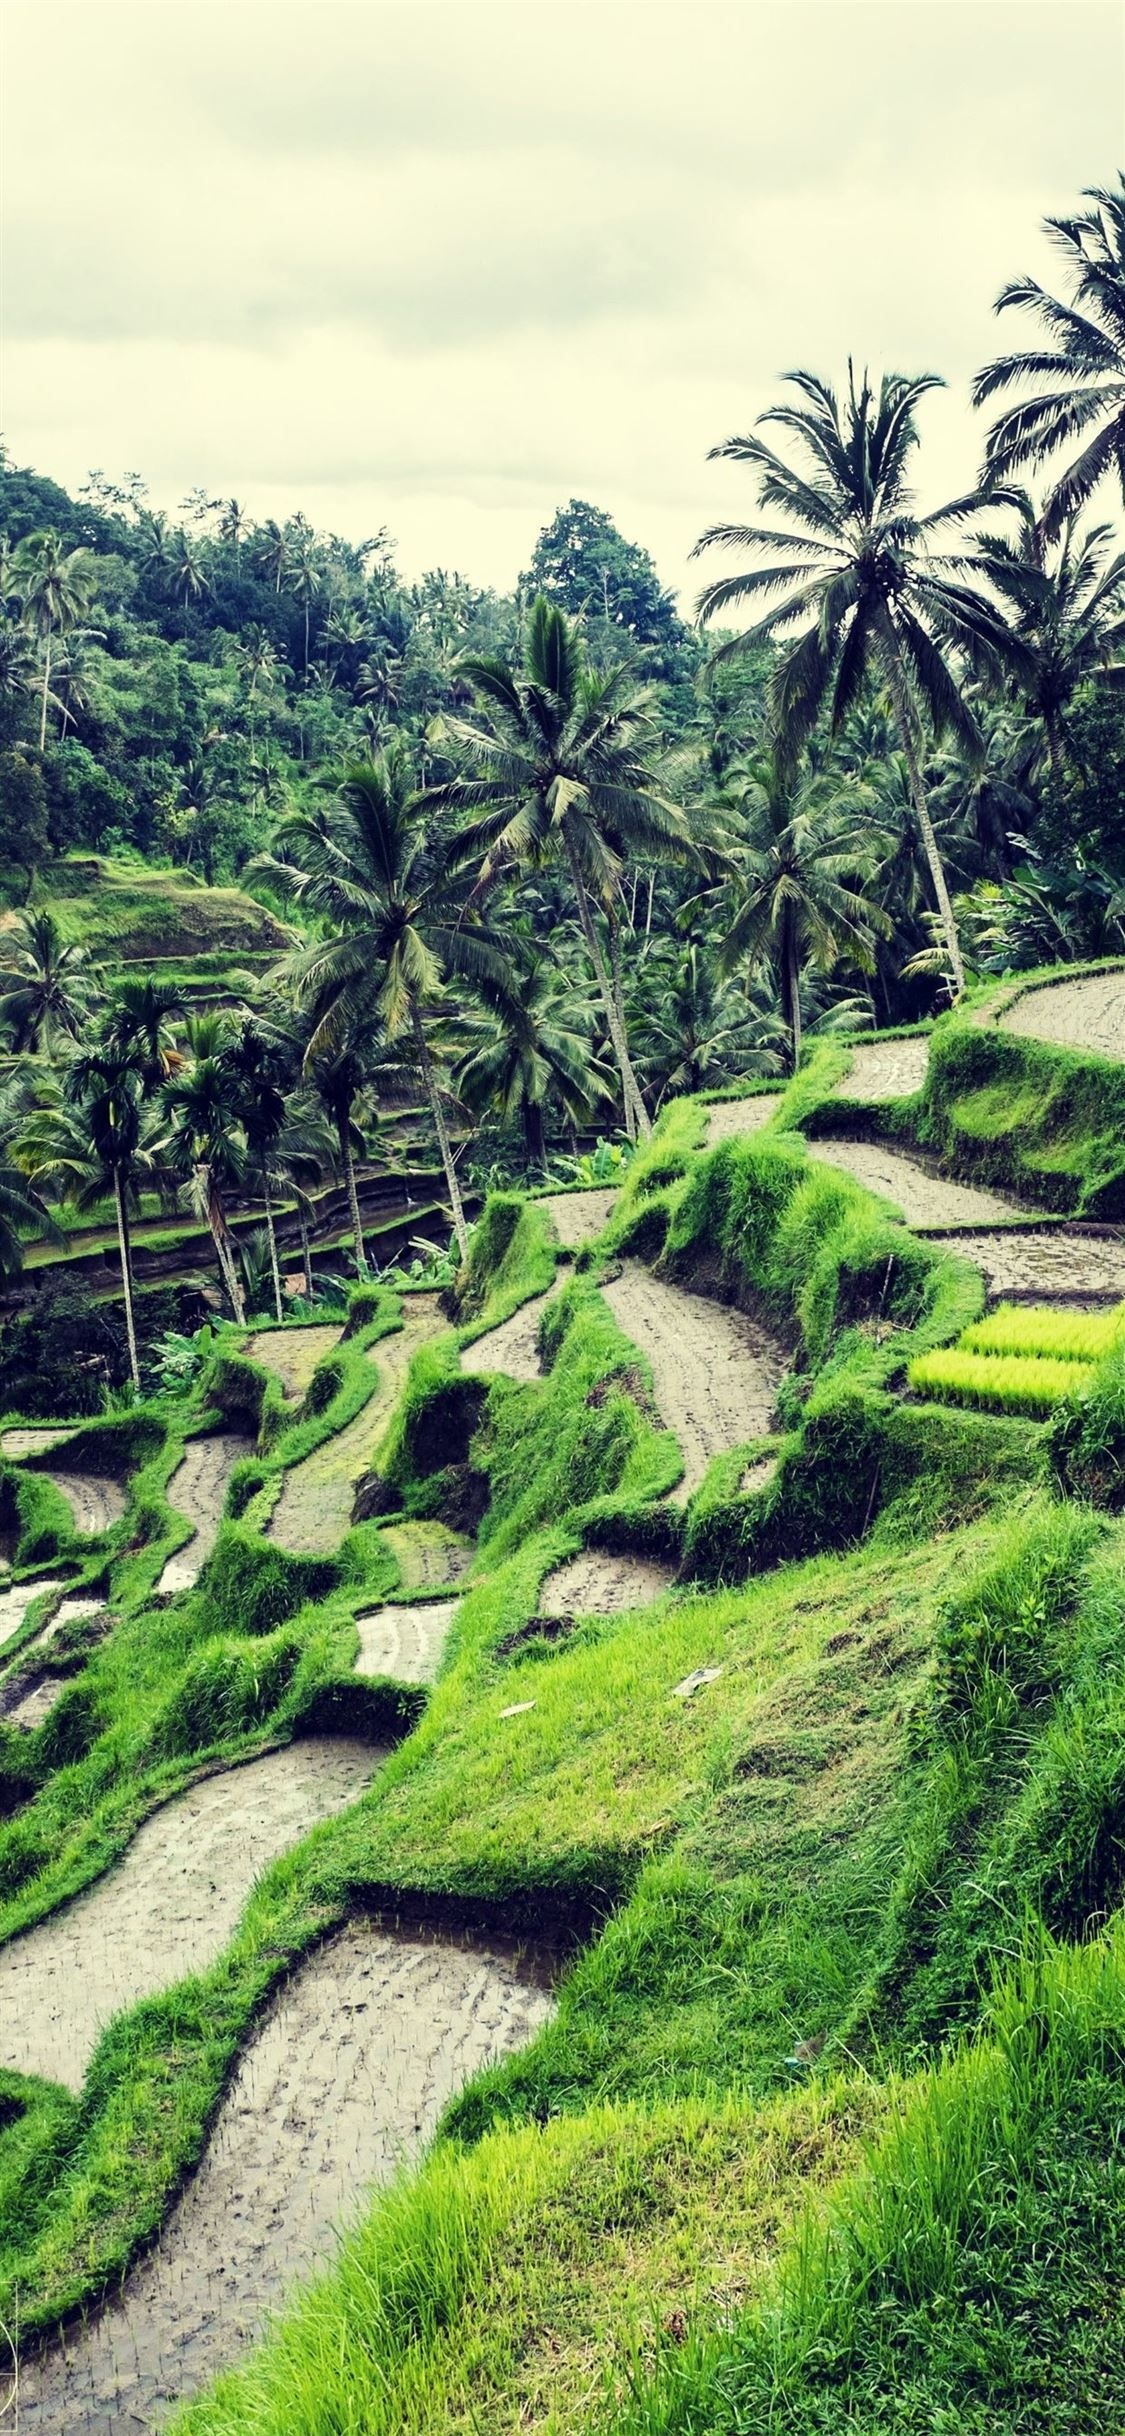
169 1907
1063 1263
1088 1013
925 1199
291 1353
715 1375
597 1584
578 1217
885 1070
197 1490
314 1509
406 1643
728 1120
346 2077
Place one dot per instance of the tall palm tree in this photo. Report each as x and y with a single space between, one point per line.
140 1026
189 579
1079 374
1067 609
234 524
93 1134
699 1028
367 862
797 893
340 1073
859 578
46 990
261 1079
58 588
562 766
271 552
205 1143
536 1047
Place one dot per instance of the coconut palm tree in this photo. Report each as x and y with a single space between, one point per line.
797 894
90 1135
1079 374
366 861
205 1143
1066 603
46 989
699 1028
234 524
561 766
58 589
140 1027
272 552
261 1078
187 575
340 1074
858 577
536 1047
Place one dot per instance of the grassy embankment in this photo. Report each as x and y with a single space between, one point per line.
908 1763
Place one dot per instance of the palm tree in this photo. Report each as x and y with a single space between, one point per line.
699 1028
58 587
139 1027
537 1047
365 860
205 1144
340 1074
258 1070
91 1135
258 662
271 551
46 992
188 578
306 578
563 767
233 527
1067 610
797 893
858 577
1079 373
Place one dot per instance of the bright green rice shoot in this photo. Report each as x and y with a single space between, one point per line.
1009 1383
1069 1336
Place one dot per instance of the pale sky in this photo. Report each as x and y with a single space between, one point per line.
441 266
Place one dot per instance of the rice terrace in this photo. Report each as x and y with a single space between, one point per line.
562 1432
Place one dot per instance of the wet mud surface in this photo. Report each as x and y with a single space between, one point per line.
291 1353
715 1374
314 1509
1085 1014
1060 1264
925 1199
729 1119
344 2079
169 1906
578 1217
406 1643
14 1604
885 1070
198 1491
512 1349
95 1503
597 1584
33 1440
428 1554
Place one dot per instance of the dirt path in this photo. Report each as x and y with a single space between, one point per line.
885 1070
95 1503
428 1554
17 1442
404 1642
14 1604
198 1491
513 1348
169 1907
314 1509
578 1217
715 1374
925 1199
1063 1263
596 1584
728 1120
1085 1014
291 1353
345 2078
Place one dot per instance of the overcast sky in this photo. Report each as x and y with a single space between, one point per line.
443 266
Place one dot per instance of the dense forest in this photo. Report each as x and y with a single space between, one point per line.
545 859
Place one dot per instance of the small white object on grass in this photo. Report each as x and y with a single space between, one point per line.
695 1683
519 1708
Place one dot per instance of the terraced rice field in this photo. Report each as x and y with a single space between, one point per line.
715 1374
197 1490
1087 1013
405 1642
291 1353
926 1199
598 1584
314 1509
885 1070
344 2079
730 1120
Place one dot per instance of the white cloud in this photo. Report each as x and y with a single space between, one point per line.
443 266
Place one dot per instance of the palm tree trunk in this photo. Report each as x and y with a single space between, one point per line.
46 689
636 1114
271 1231
126 1279
221 1238
344 1137
306 1253
426 1062
793 991
900 698
1054 755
